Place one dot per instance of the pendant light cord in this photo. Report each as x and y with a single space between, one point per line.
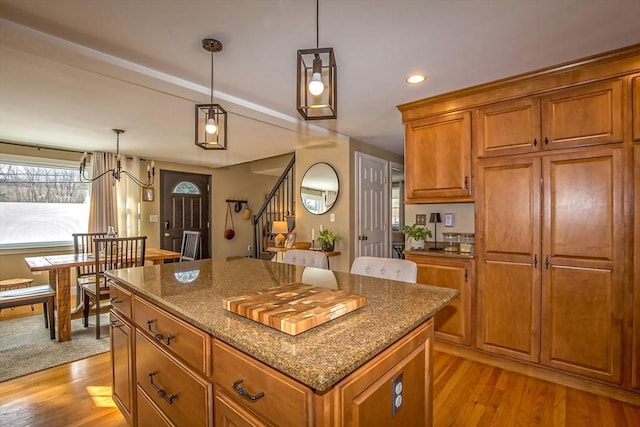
317 25
211 102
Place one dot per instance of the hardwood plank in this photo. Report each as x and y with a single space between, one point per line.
466 393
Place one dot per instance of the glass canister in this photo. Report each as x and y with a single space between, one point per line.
467 242
451 242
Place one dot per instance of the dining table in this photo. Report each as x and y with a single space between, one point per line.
59 269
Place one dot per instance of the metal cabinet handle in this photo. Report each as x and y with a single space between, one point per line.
546 141
243 391
546 262
115 300
535 261
116 324
158 336
535 142
160 392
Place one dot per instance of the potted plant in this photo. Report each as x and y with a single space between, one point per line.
418 233
327 239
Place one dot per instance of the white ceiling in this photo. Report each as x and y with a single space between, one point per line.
71 70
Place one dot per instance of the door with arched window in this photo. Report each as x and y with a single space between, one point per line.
184 205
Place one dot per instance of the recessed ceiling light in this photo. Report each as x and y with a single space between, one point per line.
415 79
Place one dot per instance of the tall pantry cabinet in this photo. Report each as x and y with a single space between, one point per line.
556 185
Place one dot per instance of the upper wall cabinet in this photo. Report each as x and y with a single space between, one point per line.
437 156
589 114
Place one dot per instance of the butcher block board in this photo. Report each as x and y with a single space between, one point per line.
294 308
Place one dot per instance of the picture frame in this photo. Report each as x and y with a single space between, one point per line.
291 238
449 220
147 194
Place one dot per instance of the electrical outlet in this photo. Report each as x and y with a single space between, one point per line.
421 219
396 394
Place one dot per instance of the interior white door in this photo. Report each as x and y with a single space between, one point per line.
372 206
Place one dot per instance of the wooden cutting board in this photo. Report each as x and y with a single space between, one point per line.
294 308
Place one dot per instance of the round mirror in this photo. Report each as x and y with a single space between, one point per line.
319 189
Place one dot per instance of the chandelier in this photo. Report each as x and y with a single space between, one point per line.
117 172
211 119
317 94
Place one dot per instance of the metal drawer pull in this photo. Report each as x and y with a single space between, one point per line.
158 336
160 392
243 391
115 300
116 324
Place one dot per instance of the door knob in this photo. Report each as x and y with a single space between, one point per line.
167 235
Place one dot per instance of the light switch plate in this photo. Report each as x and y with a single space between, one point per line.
153 218
421 219
332 217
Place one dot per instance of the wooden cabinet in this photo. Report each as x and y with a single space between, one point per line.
508 257
635 368
589 114
635 108
179 392
554 275
276 397
393 389
453 322
122 368
437 159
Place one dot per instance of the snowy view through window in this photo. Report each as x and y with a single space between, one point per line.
41 204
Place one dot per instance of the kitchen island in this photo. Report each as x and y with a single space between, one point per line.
180 358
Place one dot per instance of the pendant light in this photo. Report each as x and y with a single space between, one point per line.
317 95
211 119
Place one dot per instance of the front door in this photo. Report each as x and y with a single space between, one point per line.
184 205
372 206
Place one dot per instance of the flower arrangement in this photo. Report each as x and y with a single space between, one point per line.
418 233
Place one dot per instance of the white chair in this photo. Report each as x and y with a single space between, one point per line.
385 268
307 258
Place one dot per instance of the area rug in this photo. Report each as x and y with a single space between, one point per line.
26 347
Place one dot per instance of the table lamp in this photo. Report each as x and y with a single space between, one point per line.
280 227
435 219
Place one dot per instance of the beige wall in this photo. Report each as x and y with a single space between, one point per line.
464 216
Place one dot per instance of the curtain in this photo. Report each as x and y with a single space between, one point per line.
102 209
330 198
128 197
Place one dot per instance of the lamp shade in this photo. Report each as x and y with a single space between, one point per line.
435 217
280 227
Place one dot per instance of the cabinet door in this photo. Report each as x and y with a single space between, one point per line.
585 115
507 251
636 278
438 158
635 96
453 322
510 127
582 276
122 369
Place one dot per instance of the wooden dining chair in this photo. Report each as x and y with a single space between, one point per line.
190 245
83 245
111 253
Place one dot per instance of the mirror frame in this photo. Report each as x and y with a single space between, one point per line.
337 179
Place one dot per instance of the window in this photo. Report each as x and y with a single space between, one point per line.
41 202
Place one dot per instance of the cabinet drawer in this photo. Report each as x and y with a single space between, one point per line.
178 392
121 299
285 402
190 344
148 414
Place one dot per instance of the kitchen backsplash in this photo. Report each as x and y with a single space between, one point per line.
463 217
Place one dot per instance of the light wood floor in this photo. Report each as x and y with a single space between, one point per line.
465 394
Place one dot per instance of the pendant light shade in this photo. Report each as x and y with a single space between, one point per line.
316 90
211 119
